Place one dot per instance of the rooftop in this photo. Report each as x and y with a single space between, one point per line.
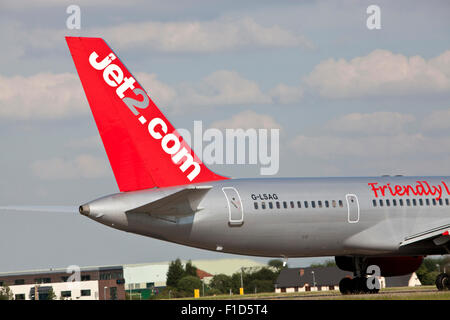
299 277
59 270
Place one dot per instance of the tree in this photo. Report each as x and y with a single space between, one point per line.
428 270
175 273
222 283
190 270
431 268
5 293
258 285
263 280
326 263
51 294
276 263
236 281
264 274
188 284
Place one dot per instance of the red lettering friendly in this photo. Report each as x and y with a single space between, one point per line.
420 188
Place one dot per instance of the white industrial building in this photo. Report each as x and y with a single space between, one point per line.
73 283
147 275
111 282
81 290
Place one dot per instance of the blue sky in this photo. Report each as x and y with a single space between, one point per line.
348 102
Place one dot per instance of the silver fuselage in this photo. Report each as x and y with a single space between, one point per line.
345 222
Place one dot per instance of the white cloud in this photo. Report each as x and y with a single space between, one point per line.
44 95
285 94
19 40
222 87
247 120
161 93
377 123
222 34
379 135
437 120
92 142
192 36
381 73
52 96
24 5
202 36
83 166
326 147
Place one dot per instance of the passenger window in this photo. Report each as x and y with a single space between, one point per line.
388 203
381 202
263 205
400 202
434 201
327 204
341 204
292 205
440 202
278 204
414 202
408 202
333 203
299 204
270 205
421 201
374 203
446 201
394 202
313 204
256 205
306 204
319 204
285 204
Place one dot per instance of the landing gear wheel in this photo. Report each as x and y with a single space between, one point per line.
346 286
360 285
374 291
443 282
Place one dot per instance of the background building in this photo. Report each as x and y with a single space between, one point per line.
88 283
328 278
111 282
147 276
310 279
409 280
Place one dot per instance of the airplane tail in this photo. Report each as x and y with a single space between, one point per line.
143 148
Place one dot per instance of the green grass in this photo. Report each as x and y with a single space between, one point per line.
403 293
405 296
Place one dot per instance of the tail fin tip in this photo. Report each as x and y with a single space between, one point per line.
143 147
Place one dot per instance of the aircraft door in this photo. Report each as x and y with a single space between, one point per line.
235 210
353 208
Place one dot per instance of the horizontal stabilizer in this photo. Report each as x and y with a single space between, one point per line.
181 203
435 234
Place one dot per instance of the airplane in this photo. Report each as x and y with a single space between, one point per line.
374 226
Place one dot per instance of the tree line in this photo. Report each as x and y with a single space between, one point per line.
182 281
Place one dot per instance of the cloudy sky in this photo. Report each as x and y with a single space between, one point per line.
348 101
